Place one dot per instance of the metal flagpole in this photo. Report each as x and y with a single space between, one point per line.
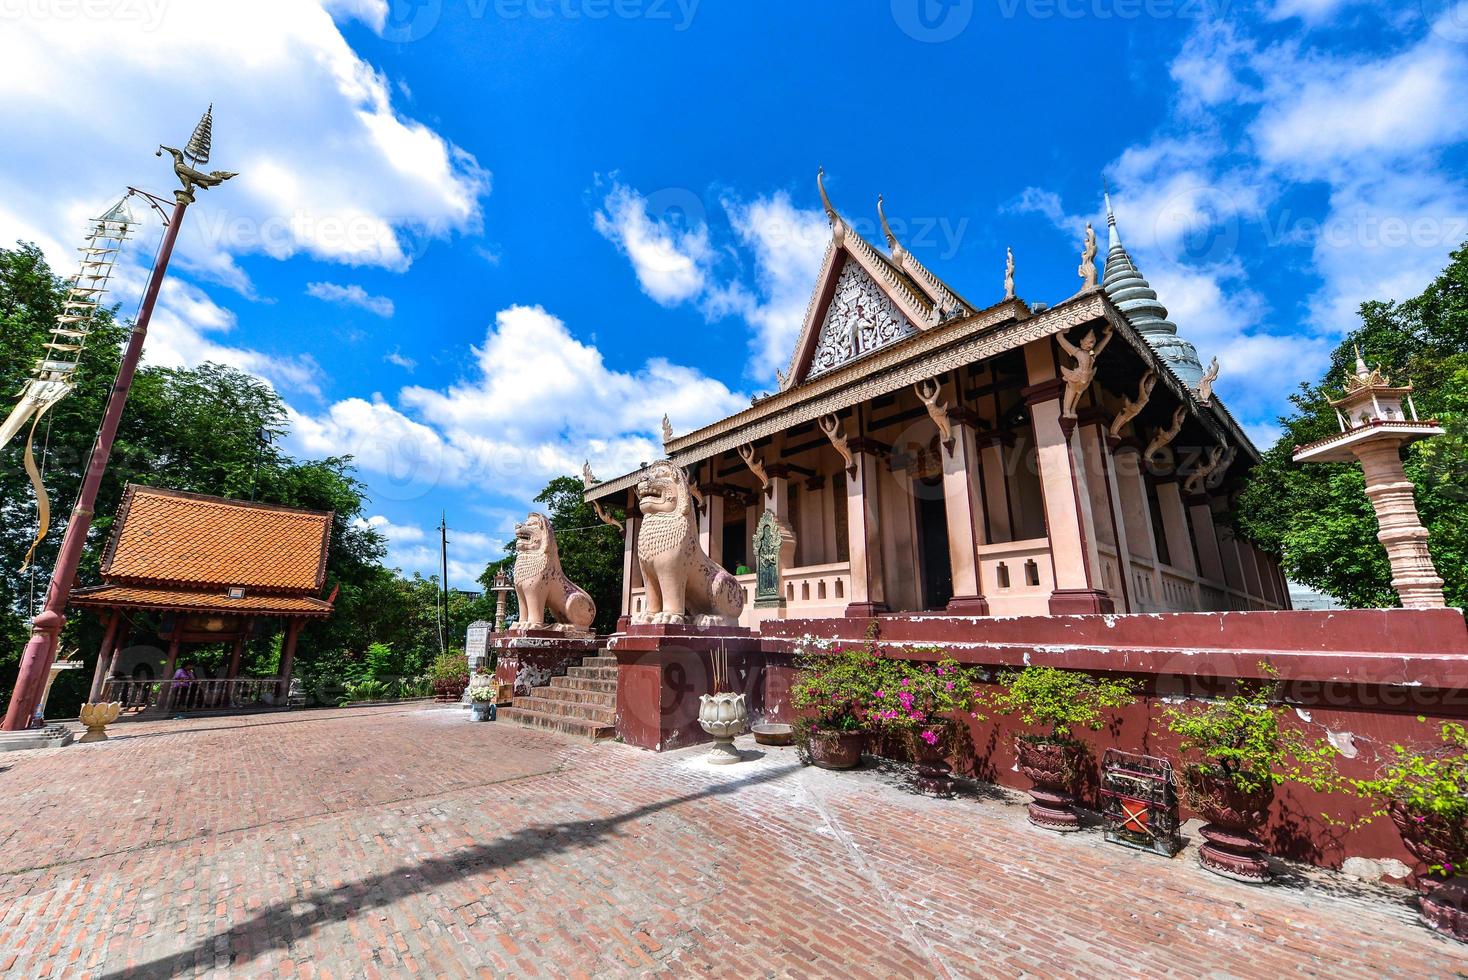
40 652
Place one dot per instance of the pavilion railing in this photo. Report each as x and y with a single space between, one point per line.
139 696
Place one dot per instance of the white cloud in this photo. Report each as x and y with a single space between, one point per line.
536 404
350 295
396 356
787 244
412 548
667 245
1037 200
328 168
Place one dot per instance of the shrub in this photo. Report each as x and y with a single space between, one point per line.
370 689
1240 739
415 687
1059 700
1431 789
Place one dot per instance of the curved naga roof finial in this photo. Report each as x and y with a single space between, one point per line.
892 242
838 223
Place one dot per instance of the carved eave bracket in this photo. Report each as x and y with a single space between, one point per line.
756 465
1131 408
1163 437
928 391
836 432
1198 479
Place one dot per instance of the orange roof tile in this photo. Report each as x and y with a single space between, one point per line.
252 604
175 538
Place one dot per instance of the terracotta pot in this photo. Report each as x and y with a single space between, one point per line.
934 776
1054 768
836 750
1437 842
1234 817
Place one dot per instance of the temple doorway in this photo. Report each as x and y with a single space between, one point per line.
932 535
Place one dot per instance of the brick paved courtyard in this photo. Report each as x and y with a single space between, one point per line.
394 841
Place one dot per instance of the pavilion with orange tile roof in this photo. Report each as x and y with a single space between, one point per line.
214 566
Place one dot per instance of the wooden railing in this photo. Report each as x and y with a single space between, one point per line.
197 695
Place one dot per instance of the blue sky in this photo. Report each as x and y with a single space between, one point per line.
475 242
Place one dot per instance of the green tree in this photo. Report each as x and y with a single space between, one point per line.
210 430
1317 516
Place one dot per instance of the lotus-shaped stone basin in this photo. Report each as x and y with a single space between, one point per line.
723 716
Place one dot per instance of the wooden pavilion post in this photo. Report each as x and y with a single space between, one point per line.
168 670
104 654
288 656
239 649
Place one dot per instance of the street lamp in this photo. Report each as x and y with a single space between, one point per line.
40 652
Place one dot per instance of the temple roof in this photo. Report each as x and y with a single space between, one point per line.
171 538
1137 300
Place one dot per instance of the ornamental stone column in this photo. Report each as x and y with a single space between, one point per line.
965 519
1374 428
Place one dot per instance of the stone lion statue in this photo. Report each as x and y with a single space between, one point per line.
684 586
541 586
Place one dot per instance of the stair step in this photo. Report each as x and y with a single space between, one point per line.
593 673
583 684
592 730
568 709
601 699
599 661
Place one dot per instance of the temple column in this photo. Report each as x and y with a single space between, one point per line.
965 522
812 548
630 568
711 526
1175 530
288 656
104 655
868 593
1206 538
1400 529
1095 445
996 490
1067 507
1136 519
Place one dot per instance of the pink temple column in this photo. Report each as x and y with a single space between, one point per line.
868 592
1206 538
1067 516
630 568
965 521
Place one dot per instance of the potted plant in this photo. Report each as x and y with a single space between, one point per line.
482 703
1057 701
1244 754
918 701
832 690
450 675
1425 793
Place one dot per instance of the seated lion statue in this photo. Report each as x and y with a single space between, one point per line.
684 586
541 586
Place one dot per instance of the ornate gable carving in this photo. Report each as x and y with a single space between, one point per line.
860 319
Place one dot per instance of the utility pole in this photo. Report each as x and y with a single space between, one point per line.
40 652
443 583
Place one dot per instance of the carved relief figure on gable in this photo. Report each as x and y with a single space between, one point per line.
860 319
1079 378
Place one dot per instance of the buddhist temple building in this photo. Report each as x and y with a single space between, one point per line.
211 569
929 452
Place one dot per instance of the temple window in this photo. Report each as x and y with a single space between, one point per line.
1032 573
1001 573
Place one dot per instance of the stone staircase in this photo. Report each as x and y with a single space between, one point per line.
584 702
50 737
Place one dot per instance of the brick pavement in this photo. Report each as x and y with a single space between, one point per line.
392 841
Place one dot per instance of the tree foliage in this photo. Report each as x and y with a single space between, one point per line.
1317 516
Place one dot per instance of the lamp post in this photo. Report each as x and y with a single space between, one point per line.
40 652
501 588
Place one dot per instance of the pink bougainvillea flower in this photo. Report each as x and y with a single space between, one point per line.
904 682
930 737
948 686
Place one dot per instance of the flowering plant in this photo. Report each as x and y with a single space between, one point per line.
920 699
483 693
835 686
